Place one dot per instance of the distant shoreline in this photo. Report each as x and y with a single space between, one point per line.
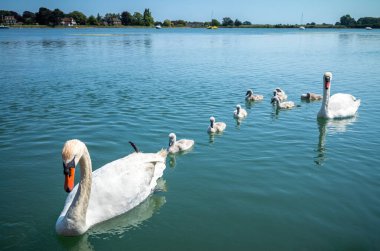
264 26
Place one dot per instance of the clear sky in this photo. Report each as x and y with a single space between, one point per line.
255 11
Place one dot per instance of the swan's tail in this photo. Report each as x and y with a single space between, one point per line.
134 146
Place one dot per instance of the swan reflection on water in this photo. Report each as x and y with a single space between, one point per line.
172 157
333 127
172 160
275 113
117 226
238 122
213 135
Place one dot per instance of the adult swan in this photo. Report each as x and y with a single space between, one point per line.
107 192
339 105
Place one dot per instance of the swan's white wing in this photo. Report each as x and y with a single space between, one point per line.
242 114
121 185
185 144
289 104
343 105
220 126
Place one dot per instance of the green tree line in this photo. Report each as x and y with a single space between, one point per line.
45 16
362 22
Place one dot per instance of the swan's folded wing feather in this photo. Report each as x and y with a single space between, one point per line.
121 185
343 105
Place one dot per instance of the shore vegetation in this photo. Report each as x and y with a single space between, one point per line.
57 18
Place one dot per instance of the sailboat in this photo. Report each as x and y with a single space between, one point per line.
212 27
302 27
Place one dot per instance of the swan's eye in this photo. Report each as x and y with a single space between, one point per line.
66 168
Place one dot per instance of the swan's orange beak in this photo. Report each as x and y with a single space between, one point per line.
327 82
69 172
69 180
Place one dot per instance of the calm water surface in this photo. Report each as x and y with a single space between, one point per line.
275 181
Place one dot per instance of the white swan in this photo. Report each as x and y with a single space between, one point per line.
180 145
339 105
280 93
216 126
249 96
240 113
282 105
111 190
311 96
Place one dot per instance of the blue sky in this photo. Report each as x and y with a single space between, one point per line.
255 11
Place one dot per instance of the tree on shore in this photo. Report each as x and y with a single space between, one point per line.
126 18
237 23
147 17
56 17
167 23
43 15
227 21
91 20
368 21
29 17
78 16
215 22
347 20
138 19
99 19
179 23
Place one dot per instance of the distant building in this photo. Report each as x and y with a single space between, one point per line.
9 20
195 24
114 21
68 21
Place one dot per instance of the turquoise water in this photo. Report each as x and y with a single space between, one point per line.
275 181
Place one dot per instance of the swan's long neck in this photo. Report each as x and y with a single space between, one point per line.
325 101
212 124
78 209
